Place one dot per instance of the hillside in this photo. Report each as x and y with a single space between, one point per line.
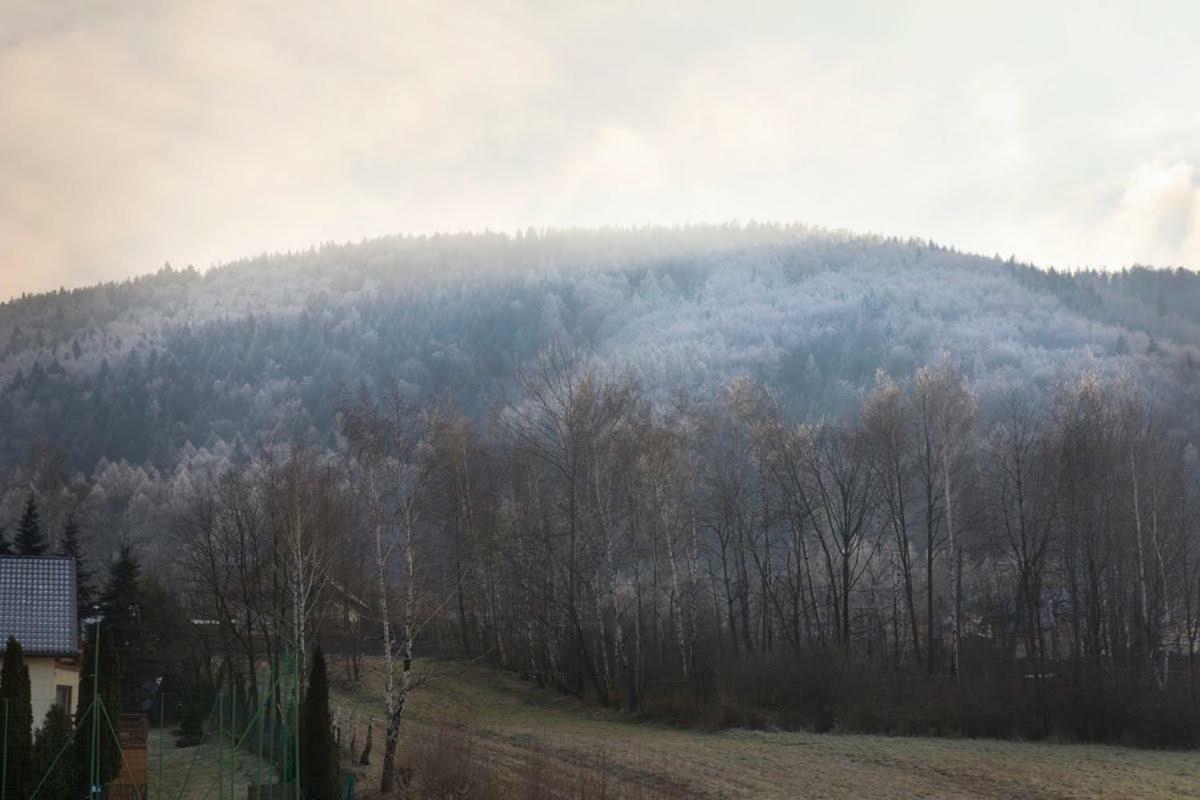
136 384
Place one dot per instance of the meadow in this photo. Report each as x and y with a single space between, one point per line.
471 732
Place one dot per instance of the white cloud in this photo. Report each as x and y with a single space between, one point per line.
999 110
617 159
1158 217
203 130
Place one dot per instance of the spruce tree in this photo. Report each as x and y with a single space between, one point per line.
102 668
30 541
71 545
16 708
121 600
121 606
5 547
318 751
54 758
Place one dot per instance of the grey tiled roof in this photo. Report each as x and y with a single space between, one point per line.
37 605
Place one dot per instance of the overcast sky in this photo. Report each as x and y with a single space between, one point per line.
198 131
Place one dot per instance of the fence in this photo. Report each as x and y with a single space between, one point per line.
246 747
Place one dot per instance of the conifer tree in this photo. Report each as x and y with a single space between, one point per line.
121 605
5 547
16 709
318 751
29 540
71 545
55 762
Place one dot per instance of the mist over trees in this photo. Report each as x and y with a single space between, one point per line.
111 398
720 475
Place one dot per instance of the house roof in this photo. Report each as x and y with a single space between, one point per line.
38 605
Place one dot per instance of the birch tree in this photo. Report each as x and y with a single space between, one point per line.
387 441
952 406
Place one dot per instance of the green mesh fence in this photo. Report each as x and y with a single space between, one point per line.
249 748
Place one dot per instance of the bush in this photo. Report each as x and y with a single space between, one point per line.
194 712
824 690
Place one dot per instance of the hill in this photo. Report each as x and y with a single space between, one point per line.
134 385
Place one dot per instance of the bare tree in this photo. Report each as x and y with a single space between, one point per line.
892 442
304 509
568 417
387 442
952 407
1022 505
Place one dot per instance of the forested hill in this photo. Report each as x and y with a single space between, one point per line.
138 377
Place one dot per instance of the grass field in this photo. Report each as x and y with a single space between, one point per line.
522 737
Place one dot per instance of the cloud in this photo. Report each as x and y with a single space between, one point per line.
999 111
1158 215
203 130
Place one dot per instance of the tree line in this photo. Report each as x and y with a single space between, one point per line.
920 565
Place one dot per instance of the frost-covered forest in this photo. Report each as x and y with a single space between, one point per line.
705 474
117 394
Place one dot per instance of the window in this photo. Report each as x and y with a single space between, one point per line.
62 697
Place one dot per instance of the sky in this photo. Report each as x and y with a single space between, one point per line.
137 132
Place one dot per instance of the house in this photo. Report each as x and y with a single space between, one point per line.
37 606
